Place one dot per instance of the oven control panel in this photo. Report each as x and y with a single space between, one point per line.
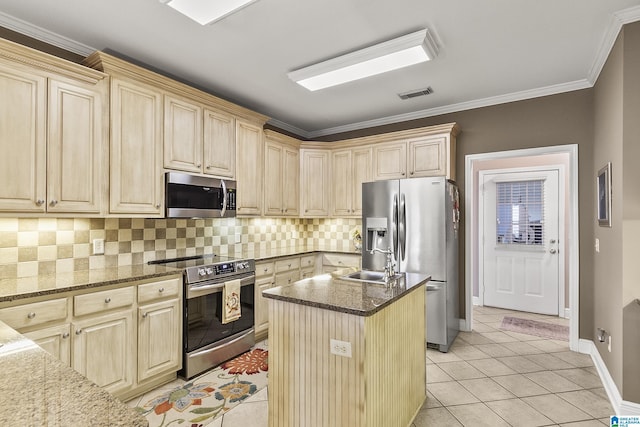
223 269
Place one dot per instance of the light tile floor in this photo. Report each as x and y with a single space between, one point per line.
492 377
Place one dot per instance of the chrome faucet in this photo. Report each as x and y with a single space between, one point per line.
389 268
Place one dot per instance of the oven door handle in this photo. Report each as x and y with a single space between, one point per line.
198 291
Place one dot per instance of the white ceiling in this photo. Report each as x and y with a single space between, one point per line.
491 51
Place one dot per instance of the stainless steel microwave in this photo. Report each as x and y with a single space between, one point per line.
194 196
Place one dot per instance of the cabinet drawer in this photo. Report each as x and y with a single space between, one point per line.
157 290
308 261
287 264
97 302
264 269
37 313
307 272
338 260
287 278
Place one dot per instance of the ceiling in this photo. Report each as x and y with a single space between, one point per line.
491 52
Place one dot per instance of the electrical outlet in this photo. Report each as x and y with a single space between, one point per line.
238 237
340 348
609 344
98 246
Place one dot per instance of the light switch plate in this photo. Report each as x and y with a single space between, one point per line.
597 245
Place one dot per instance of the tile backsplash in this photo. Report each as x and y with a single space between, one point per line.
32 246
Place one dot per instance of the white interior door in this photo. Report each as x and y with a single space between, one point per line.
519 266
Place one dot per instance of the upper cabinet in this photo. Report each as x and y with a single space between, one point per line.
249 156
415 153
198 139
351 167
158 123
281 175
53 134
315 179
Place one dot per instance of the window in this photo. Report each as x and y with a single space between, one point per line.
520 212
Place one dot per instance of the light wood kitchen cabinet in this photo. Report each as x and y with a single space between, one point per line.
136 149
281 176
104 349
307 266
56 340
249 159
390 161
315 180
159 328
198 139
53 147
264 280
332 262
351 167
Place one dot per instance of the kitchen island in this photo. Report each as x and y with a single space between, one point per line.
347 353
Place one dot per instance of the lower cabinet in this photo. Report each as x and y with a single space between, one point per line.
103 350
126 339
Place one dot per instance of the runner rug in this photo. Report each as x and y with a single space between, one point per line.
202 399
535 327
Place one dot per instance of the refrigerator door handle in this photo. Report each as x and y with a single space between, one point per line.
403 227
394 227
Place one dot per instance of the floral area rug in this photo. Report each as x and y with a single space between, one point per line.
202 399
534 327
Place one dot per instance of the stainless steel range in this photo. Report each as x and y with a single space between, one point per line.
207 341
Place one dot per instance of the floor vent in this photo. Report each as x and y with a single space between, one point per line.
416 93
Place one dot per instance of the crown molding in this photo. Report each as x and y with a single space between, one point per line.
43 35
616 22
453 108
304 134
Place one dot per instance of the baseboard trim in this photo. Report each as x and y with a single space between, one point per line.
567 313
621 407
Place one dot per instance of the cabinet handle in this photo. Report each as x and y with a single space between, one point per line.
289 280
65 335
78 331
144 315
31 315
157 205
411 173
39 202
107 300
289 265
199 165
403 174
161 290
53 202
208 167
266 269
286 210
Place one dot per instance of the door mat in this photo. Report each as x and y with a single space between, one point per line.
202 399
535 327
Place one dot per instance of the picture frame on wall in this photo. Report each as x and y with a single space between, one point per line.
603 185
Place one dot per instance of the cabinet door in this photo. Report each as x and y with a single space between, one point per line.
54 340
315 177
362 160
342 183
219 144
427 157
159 339
273 178
136 147
390 161
22 140
182 134
249 172
76 159
104 350
291 181
261 308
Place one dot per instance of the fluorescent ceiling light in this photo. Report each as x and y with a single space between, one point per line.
207 11
387 56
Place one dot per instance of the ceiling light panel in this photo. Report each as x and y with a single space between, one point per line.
391 55
207 11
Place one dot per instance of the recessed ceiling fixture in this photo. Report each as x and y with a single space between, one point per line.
415 93
387 56
207 11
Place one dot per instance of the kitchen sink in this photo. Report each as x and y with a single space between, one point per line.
368 276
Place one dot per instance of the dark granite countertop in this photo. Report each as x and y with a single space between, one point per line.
271 253
28 287
330 292
38 390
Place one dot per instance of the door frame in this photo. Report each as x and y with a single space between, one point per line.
571 246
561 225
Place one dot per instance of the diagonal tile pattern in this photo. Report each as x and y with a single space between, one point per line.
492 378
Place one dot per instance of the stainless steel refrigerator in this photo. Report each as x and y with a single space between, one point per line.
418 220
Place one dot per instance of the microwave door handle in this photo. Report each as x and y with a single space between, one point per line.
224 199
